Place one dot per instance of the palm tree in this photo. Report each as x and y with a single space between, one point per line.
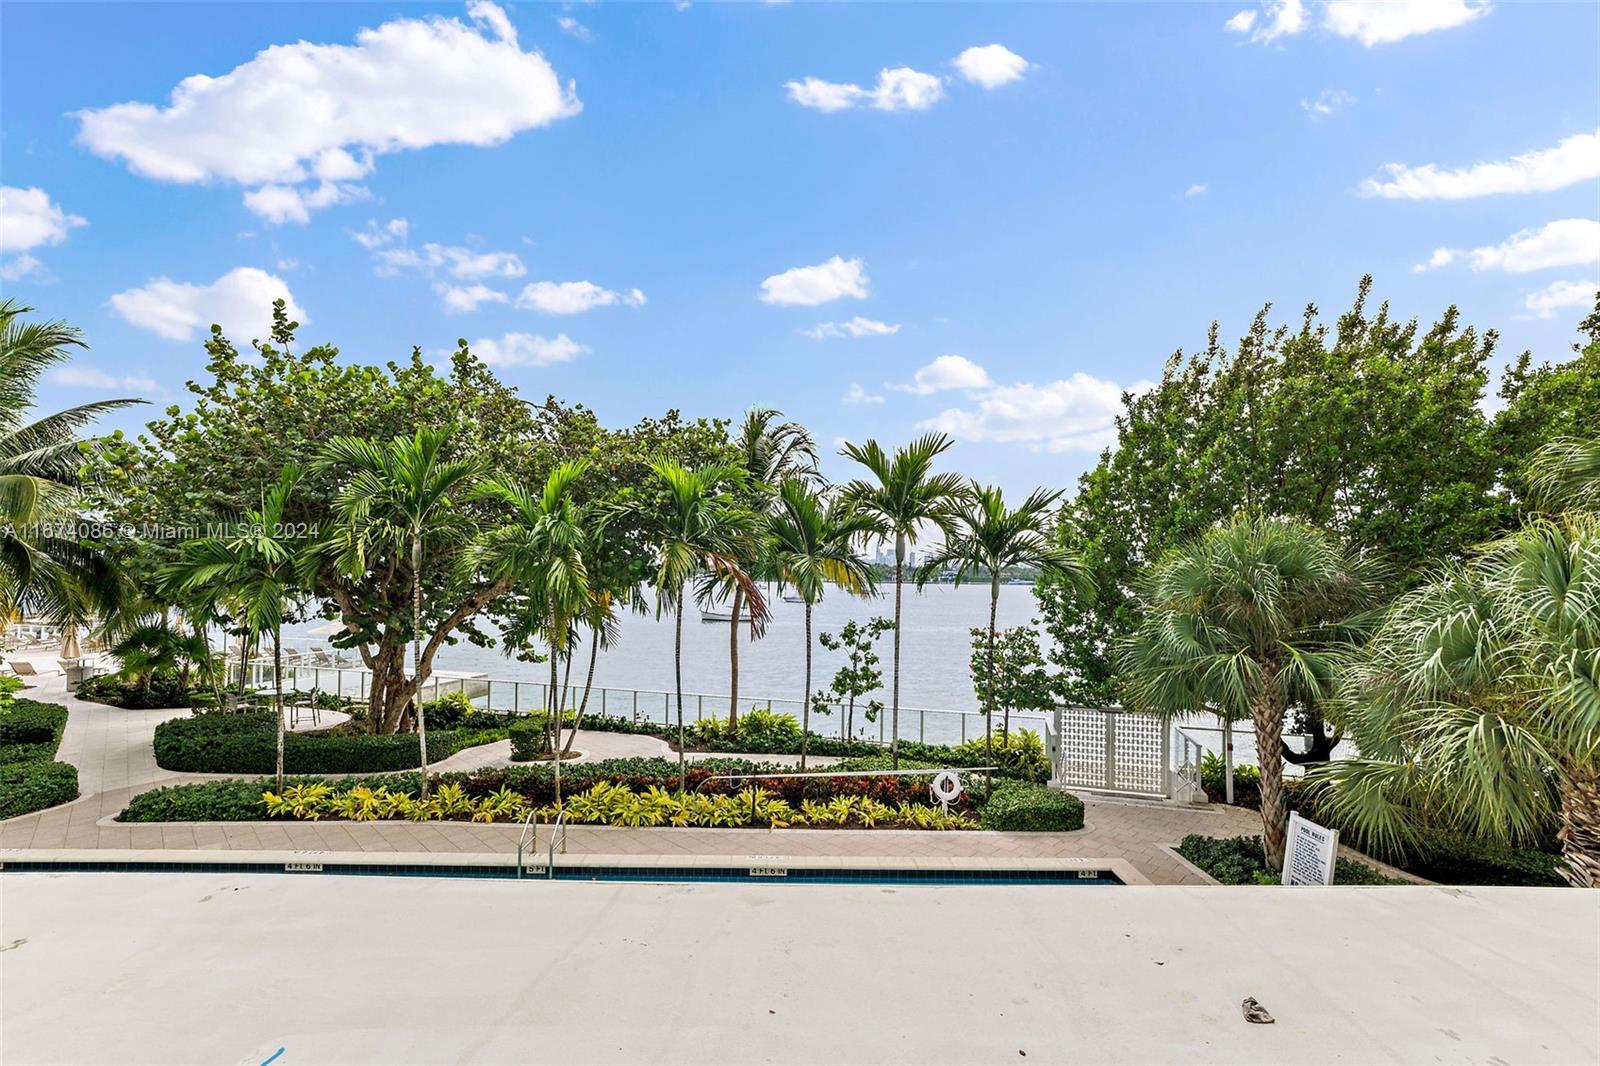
699 530
255 566
540 553
990 539
1566 473
399 499
812 543
1477 705
1249 619
904 495
42 570
770 451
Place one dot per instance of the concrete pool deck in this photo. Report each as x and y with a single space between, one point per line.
191 968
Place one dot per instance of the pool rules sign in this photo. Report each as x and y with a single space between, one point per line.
1308 859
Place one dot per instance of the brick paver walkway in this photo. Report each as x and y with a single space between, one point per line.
111 748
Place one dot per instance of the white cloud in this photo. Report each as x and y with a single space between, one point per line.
461 263
991 65
527 349
1560 295
1281 18
811 285
1565 242
899 89
30 219
859 395
20 266
1573 160
1073 415
1327 102
1386 21
945 373
573 297
1199 188
299 122
855 327
86 377
1243 22
240 300
573 28
375 236
462 299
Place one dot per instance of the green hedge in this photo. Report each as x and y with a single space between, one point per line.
1238 861
31 731
32 786
530 737
247 744
164 689
1027 808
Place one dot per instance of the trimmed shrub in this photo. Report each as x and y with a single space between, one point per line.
31 731
530 737
247 744
1028 808
163 689
32 786
1238 861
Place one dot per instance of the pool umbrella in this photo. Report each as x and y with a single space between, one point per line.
69 644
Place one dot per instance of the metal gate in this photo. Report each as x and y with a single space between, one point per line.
1111 750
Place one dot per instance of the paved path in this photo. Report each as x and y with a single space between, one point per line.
112 749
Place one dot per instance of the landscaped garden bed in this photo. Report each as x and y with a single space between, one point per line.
636 792
1238 861
30 779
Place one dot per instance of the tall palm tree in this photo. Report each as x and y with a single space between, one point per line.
1477 704
770 451
400 497
1249 619
903 496
42 570
813 543
255 566
1566 474
700 530
540 553
990 539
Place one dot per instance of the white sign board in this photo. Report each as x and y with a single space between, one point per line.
1309 855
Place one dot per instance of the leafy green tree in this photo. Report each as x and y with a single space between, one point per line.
540 553
1248 619
1544 402
770 451
395 511
812 545
255 563
902 497
701 531
1477 704
859 676
1371 431
1011 672
989 539
44 568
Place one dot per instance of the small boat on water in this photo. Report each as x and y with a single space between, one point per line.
716 616
791 597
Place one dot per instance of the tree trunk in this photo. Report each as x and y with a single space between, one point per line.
677 680
277 699
1227 761
588 686
805 708
244 658
1266 712
733 663
555 720
988 713
894 728
1579 834
416 653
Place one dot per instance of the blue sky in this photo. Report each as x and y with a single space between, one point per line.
610 187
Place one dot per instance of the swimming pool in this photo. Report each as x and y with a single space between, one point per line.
776 872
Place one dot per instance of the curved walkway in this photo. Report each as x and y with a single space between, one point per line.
113 752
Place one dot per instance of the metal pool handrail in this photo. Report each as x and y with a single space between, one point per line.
559 831
522 838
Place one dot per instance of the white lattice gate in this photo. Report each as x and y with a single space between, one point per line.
1110 749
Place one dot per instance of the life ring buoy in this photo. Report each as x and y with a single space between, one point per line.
945 788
